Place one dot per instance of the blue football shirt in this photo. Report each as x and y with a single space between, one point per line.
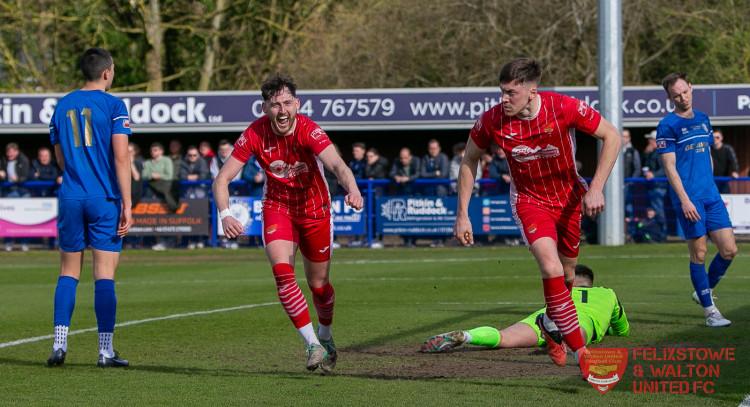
691 141
83 124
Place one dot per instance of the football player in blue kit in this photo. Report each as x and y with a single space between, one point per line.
684 139
89 131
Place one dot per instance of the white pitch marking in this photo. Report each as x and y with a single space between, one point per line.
141 321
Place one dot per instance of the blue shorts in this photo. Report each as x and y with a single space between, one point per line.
89 222
713 213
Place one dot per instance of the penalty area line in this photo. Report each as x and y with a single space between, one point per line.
140 321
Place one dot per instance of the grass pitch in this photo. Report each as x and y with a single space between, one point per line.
204 327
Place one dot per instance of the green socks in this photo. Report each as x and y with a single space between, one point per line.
485 336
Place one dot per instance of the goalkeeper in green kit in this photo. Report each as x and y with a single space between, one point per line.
599 314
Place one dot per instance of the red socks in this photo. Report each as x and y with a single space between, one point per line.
290 295
562 311
323 299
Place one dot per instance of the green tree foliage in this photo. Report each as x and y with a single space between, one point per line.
234 44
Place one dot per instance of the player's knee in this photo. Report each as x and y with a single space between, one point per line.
728 253
698 258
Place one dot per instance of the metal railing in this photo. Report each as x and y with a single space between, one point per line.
639 195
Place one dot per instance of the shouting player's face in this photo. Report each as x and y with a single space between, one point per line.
282 108
681 94
517 98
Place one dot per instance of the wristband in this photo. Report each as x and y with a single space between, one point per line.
223 214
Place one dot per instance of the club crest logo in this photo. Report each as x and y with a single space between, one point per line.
272 229
583 108
604 367
317 133
241 141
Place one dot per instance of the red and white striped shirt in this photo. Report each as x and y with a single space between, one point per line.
541 149
295 184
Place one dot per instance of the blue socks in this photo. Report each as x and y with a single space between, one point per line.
105 304
65 300
716 270
700 282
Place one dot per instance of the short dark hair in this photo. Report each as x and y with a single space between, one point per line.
93 62
522 70
458 147
224 142
157 144
373 150
671 79
584 271
359 144
276 83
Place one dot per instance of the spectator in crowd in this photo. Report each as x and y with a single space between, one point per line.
649 229
194 168
45 168
175 153
435 165
207 153
653 168
499 171
224 151
486 159
158 171
631 164
630 157
377 166
255 177
458 154
136 168
358 162
15 168
331 179
725 161
404 171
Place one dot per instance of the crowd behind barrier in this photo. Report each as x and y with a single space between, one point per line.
649 217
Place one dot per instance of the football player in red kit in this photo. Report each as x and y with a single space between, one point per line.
536 131
293 151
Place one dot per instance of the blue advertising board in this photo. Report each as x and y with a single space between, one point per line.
409 215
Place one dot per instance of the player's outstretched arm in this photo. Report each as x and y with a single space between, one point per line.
333 162
619 321
593 201
220 187
467 174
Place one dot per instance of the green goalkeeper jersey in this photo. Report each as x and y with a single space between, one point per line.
603 308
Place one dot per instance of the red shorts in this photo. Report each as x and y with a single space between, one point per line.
562 225
314 236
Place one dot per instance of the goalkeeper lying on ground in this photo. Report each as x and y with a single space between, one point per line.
599 314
